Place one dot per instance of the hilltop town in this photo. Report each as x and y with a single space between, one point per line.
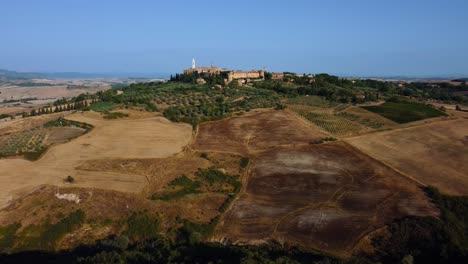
224 76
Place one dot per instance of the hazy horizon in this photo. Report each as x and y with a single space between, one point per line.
417 39
166 75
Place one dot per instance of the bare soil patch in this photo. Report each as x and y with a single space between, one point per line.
435 153
63 134
324 197
255 131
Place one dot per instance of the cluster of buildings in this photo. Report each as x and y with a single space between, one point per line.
229 75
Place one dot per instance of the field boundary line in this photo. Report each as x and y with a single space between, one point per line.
307 122
244 180
388 166
401 127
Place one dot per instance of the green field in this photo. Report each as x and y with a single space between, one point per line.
404 112
102 106
114 115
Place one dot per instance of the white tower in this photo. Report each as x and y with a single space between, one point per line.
193 63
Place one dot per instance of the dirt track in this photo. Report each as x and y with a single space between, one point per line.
153 137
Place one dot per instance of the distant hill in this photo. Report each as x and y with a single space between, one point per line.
77 75
460 80
84 75
20 75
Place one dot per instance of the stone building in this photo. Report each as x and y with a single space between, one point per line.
254 74
205 71
229 75
277 75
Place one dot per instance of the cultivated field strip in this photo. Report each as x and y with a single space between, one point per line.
26 141
365 117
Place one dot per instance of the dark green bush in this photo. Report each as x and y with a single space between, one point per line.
428 239
141 226
187 187
244 161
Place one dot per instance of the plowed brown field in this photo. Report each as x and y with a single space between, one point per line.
324 197
255 131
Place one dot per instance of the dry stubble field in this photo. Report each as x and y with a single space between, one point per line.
44 92
435 154
20 124
131 138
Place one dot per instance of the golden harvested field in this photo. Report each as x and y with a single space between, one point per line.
107 209
435 153
44 92
20 124
198 207
153 137
13 110
161 171
324 197
255 131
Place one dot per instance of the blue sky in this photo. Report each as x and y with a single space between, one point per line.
359 37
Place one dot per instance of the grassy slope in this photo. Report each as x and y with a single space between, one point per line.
404 112
102 106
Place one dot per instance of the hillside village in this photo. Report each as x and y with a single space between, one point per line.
241 77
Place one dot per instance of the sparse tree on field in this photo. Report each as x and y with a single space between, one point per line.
69 179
